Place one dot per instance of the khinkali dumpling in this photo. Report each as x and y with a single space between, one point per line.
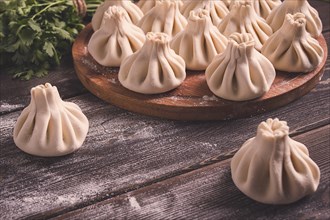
292 48
199 42
217 9
115 39
272 168
48 126
227 2
164 17
241 72
263 7
242 18
277 16
155 68
134 12
146 5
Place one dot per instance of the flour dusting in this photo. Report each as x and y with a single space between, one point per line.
134 203
5 107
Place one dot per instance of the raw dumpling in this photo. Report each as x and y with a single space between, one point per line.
313 24
263 7
242 18
116 39
291 48
199 42
217 9
134 12
227 2
155 68
48 126
164 17
147 5
272 168
241 72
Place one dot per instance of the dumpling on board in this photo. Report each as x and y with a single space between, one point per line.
147 5
262 7
240 73
133 11
272 168
153 69
164 17
292 48
48 126
116 39
242 18
313 21
217 9
199 42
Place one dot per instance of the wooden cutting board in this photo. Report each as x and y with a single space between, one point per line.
192 100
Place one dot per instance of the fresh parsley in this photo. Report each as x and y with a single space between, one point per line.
36 34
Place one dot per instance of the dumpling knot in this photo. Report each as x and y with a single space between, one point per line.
273 128
158 37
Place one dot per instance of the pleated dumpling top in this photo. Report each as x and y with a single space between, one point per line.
313 21
164 17
147 5
241 72
199 42
262 7
272 168
217 9
292 48
242 18
116 39
48 126
153 69
133 11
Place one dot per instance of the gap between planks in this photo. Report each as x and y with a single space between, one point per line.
215 161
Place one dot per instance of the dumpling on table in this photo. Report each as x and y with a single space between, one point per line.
272 168
241 72
133 11
164 17
199 42
217 9
116 39
153 69
48 126
313 21
292 48
242 18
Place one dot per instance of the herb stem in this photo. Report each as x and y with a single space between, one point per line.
47 7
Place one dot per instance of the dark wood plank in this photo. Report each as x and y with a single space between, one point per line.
15 93
192 100
323 8
209 193
124 151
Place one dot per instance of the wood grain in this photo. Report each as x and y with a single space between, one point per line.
192 100
209 193
15 93
124 151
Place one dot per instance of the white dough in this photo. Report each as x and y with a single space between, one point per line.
147 5
262 7
155 68
217 9
133 11
116 39
291 48
164 17
272 168
240 72
199 42
242 18
48 126
313 21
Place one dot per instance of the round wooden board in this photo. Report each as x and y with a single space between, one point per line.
192 100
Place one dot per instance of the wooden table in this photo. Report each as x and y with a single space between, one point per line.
134 167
